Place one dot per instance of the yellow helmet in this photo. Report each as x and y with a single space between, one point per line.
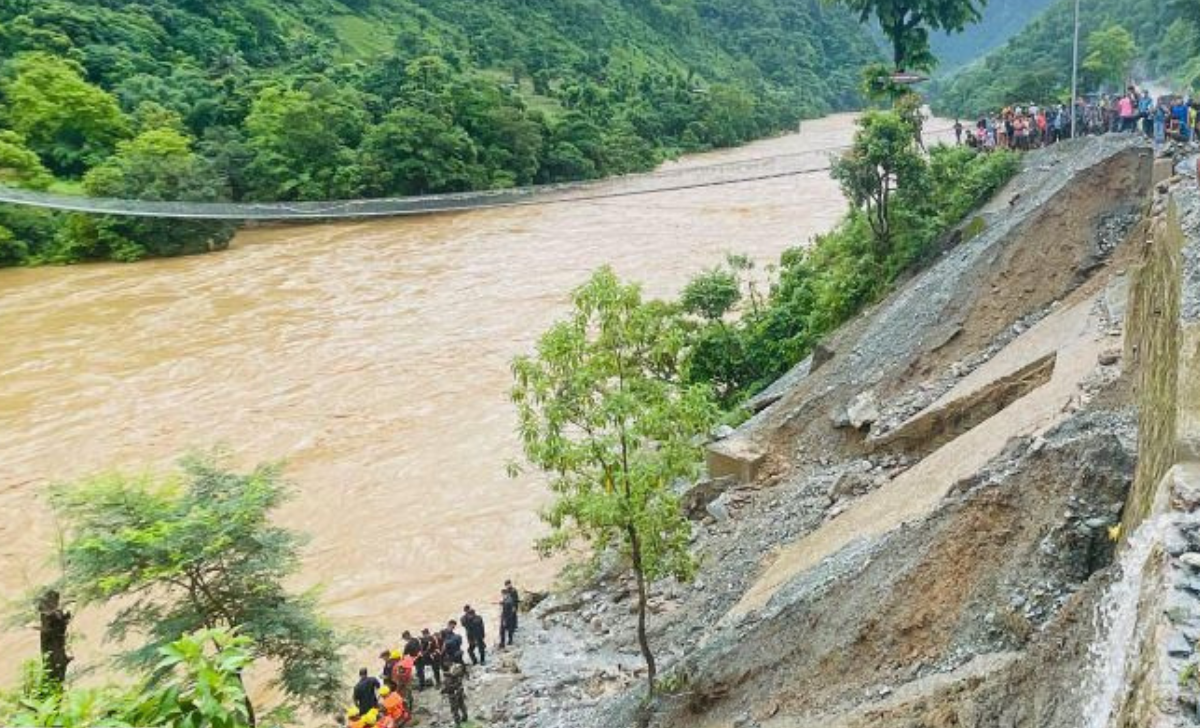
371 716
394 654
385 691
352 712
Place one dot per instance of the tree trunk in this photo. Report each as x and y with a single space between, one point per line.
53 631
635 548
251 719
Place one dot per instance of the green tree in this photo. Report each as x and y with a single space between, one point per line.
192 551
160 165
603 412
18 165
1110 53
712 294
883 158
70 123
304 143
412 152
195 681
907 24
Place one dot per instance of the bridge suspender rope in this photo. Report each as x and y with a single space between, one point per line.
627 186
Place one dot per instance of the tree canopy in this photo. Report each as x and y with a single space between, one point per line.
192 551
907 25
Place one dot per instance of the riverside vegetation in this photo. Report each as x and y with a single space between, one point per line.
263 100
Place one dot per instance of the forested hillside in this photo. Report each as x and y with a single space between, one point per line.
1002 19
1036 64
318 99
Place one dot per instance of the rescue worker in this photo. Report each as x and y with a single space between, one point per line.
452 643
476 639
365 692
454 691
431 657
394 706
412 645
516 600
403 674
390 658
508 617
354 718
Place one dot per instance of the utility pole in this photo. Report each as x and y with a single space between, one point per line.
1075 72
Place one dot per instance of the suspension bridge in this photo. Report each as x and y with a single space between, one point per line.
671 179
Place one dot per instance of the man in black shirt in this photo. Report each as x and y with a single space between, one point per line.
476 639
366 692
508 617
452 644
431 656
511 590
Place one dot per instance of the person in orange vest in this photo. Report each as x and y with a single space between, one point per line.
394 707
354 718
402 675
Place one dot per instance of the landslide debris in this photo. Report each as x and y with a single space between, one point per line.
914 532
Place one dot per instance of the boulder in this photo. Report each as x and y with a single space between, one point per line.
863 411
718 510
695 499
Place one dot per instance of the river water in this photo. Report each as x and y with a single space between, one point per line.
372 357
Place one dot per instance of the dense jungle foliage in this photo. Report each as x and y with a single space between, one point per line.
1035 65
319 99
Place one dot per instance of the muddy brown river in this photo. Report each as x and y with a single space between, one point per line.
372 357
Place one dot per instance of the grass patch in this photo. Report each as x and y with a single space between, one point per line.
361 38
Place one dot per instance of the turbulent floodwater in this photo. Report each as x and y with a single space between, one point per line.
372 357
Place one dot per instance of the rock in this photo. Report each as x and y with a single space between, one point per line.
1174 543
558 604
820 355
530 599
1185 493
1191 560
1096 524
719 511
695 499
1179 646
597 625
863 411
851 484
839 418
1109 357
720 432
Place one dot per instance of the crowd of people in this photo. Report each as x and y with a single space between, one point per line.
1167 117
434 659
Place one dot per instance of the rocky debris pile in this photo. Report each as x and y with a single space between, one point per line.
999 565
900 409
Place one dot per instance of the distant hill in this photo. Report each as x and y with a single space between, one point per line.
1002 19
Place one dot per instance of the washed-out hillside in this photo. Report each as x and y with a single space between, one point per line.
968 508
